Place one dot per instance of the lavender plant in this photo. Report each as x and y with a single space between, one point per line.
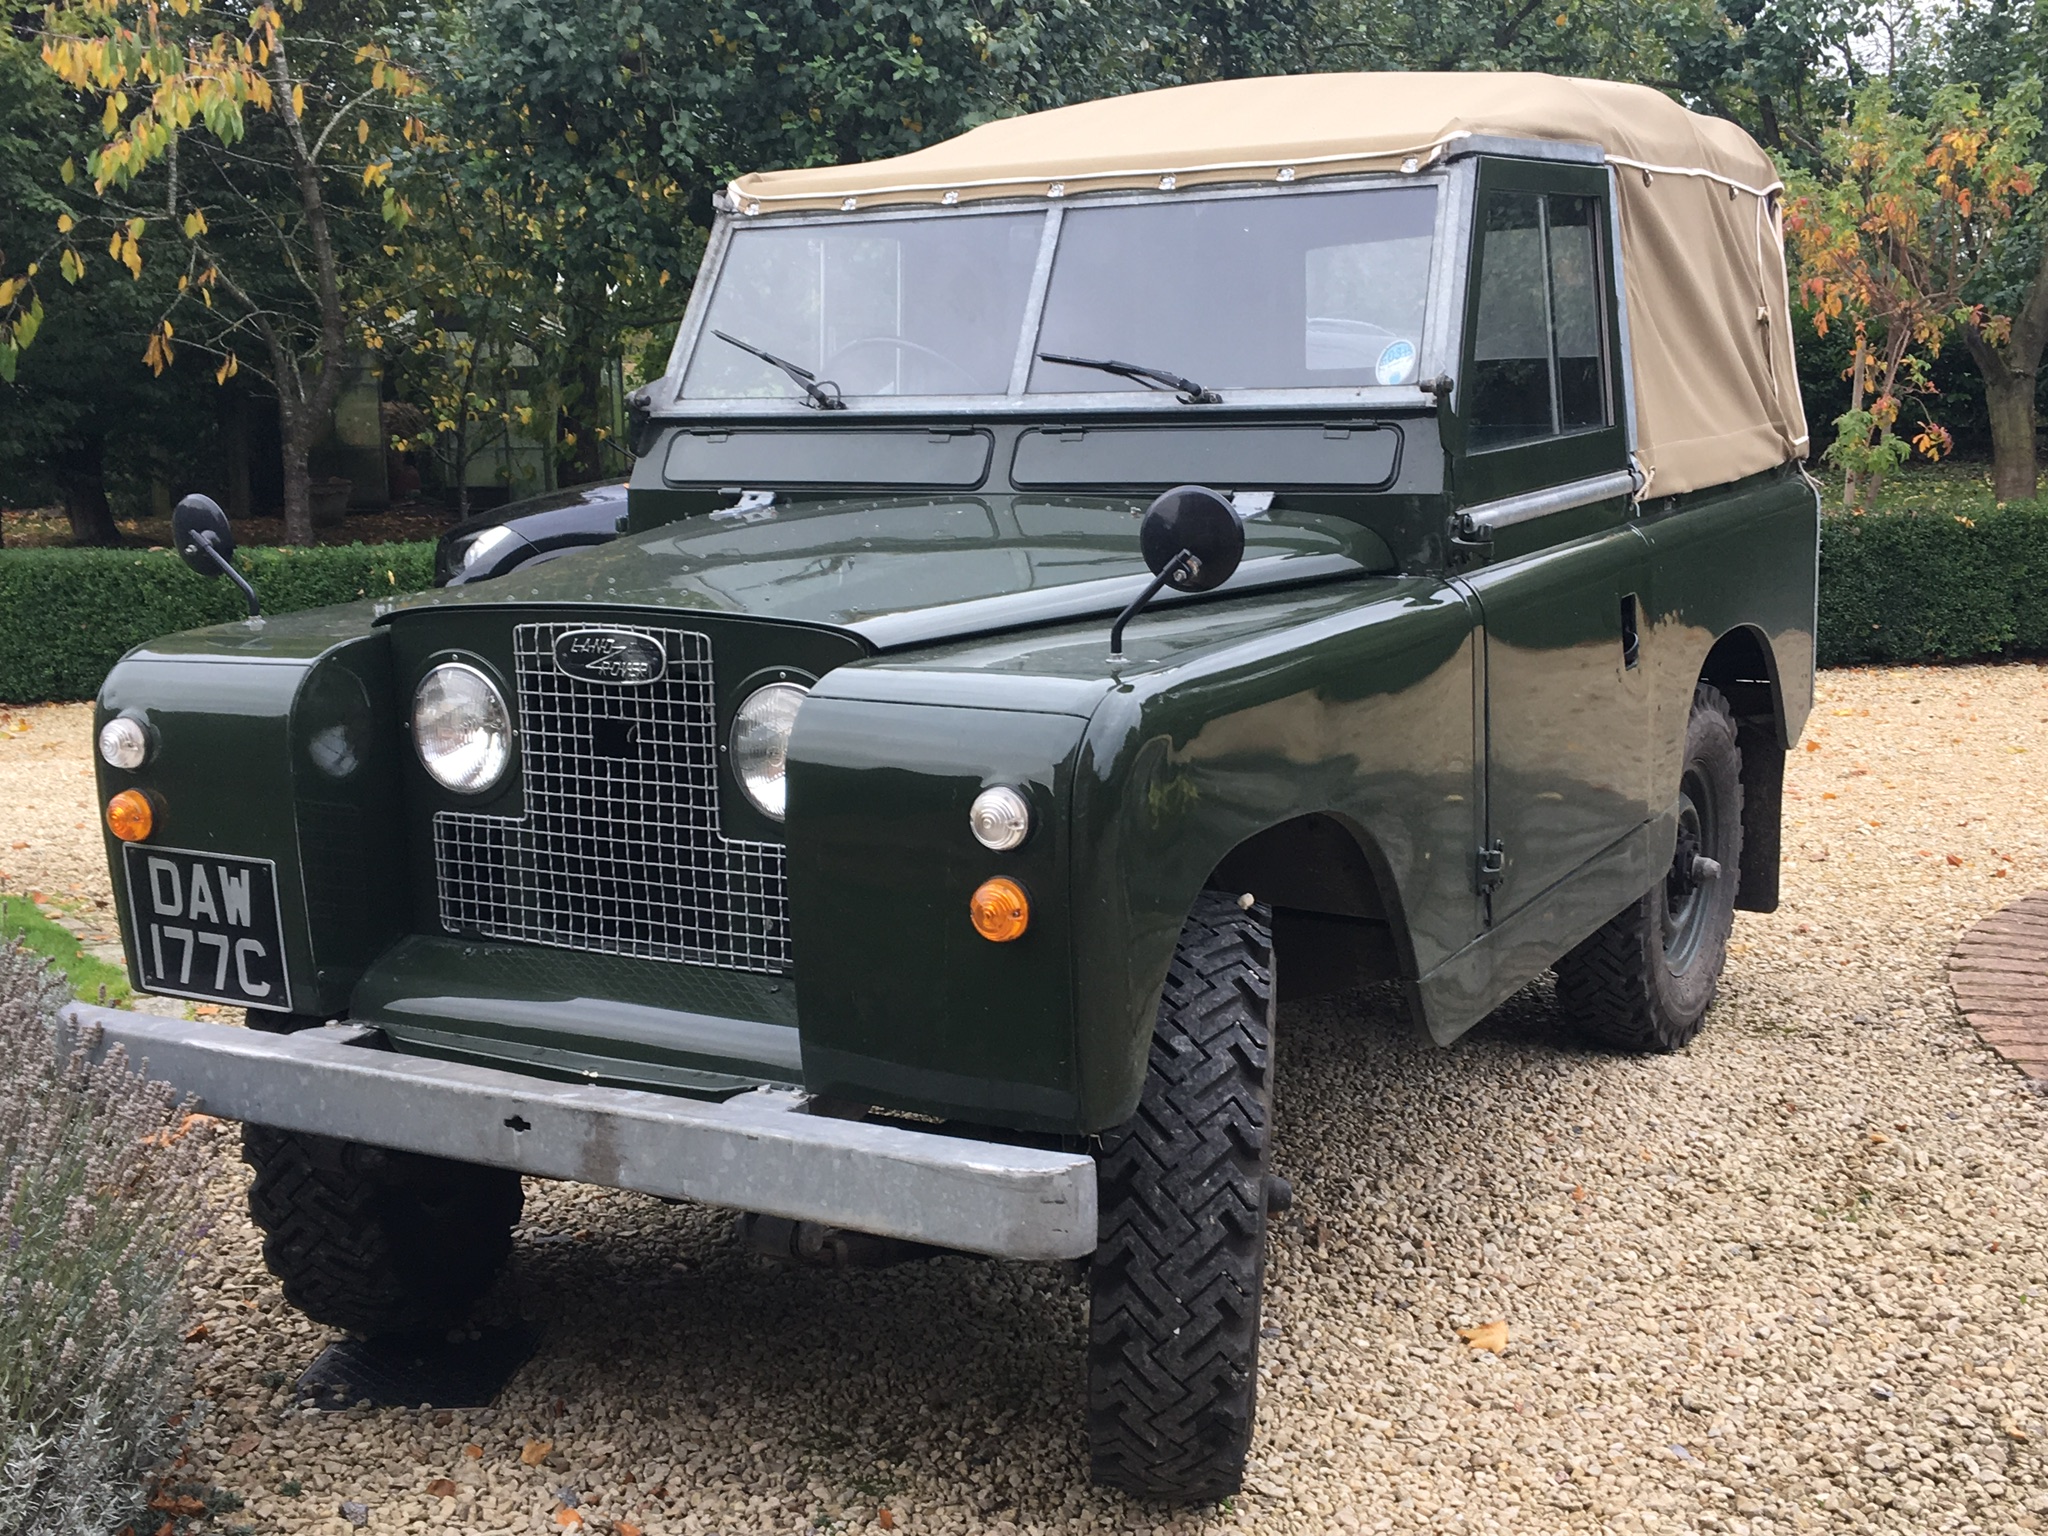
101 1198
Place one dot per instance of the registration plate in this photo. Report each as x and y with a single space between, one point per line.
207 926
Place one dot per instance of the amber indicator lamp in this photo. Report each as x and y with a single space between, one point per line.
999 910
130 816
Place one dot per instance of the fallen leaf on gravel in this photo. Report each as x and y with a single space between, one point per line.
195 1334
17 845
1578 1191
245 1443
1955 859
473 1452
567 1518
1492 1336
1813 746
534 1452
443 1488
626 1528
885 1519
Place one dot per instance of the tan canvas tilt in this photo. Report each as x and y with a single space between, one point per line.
1709 322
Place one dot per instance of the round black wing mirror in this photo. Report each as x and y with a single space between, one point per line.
1192 539
199 530
1195 521
204 541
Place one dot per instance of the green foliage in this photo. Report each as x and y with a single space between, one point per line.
1865 446
67 615
92 980
103 1199
1934 584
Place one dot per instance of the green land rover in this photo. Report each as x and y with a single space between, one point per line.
1338 528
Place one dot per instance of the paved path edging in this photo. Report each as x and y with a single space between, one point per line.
1999 973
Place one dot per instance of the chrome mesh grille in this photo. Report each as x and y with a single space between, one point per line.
619 851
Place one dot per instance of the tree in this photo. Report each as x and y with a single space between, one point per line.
257 149
563 186
1782 68
1890 235
75 409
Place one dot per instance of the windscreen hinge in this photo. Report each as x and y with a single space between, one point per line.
752 507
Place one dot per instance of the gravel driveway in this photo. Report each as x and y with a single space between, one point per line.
1791 1279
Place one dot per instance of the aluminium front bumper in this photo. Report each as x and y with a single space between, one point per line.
759 1151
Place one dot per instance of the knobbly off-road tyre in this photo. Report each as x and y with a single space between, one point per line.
1644 982
1176 1279
374 1241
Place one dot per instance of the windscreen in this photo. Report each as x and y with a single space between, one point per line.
1293 291
926 306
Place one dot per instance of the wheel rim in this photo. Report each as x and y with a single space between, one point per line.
1687 900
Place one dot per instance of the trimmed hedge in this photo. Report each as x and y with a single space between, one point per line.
1933 586
1894 587
67 615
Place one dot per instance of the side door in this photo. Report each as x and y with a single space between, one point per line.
1541 471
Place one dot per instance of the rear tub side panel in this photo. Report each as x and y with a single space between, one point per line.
900 1002
1731 594
274 740
1738 556
1366 716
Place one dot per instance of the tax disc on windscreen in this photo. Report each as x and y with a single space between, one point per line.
1396 364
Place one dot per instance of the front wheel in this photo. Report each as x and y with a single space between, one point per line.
1174 1291
1644 981
373 1241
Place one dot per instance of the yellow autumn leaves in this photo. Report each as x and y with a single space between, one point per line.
125 246
182 75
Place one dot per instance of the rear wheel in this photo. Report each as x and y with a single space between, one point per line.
1176 1279
375 1241
1644 981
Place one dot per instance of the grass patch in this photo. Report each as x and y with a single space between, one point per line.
23 919
1953 488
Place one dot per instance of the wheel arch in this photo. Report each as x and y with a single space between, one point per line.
1337 915
1743 667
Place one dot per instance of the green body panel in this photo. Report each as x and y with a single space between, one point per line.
902 1002
1378 697
644 1023
905 571
1739 557
278 739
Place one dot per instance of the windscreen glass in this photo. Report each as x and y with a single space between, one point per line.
1298 291
888 307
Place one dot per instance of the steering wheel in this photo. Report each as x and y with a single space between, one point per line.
901 344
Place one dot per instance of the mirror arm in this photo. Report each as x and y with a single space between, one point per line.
204 541
1185 560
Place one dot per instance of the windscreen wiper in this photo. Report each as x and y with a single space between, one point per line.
1191 393
825 395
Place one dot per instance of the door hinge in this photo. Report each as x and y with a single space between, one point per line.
1492 866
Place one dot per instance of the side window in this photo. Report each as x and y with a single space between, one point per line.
1539 365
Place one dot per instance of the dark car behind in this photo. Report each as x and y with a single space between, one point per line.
524 532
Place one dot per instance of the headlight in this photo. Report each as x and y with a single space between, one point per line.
760 745
460 728
482 545
124 743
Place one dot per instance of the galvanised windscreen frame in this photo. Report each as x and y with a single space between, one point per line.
1437 352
